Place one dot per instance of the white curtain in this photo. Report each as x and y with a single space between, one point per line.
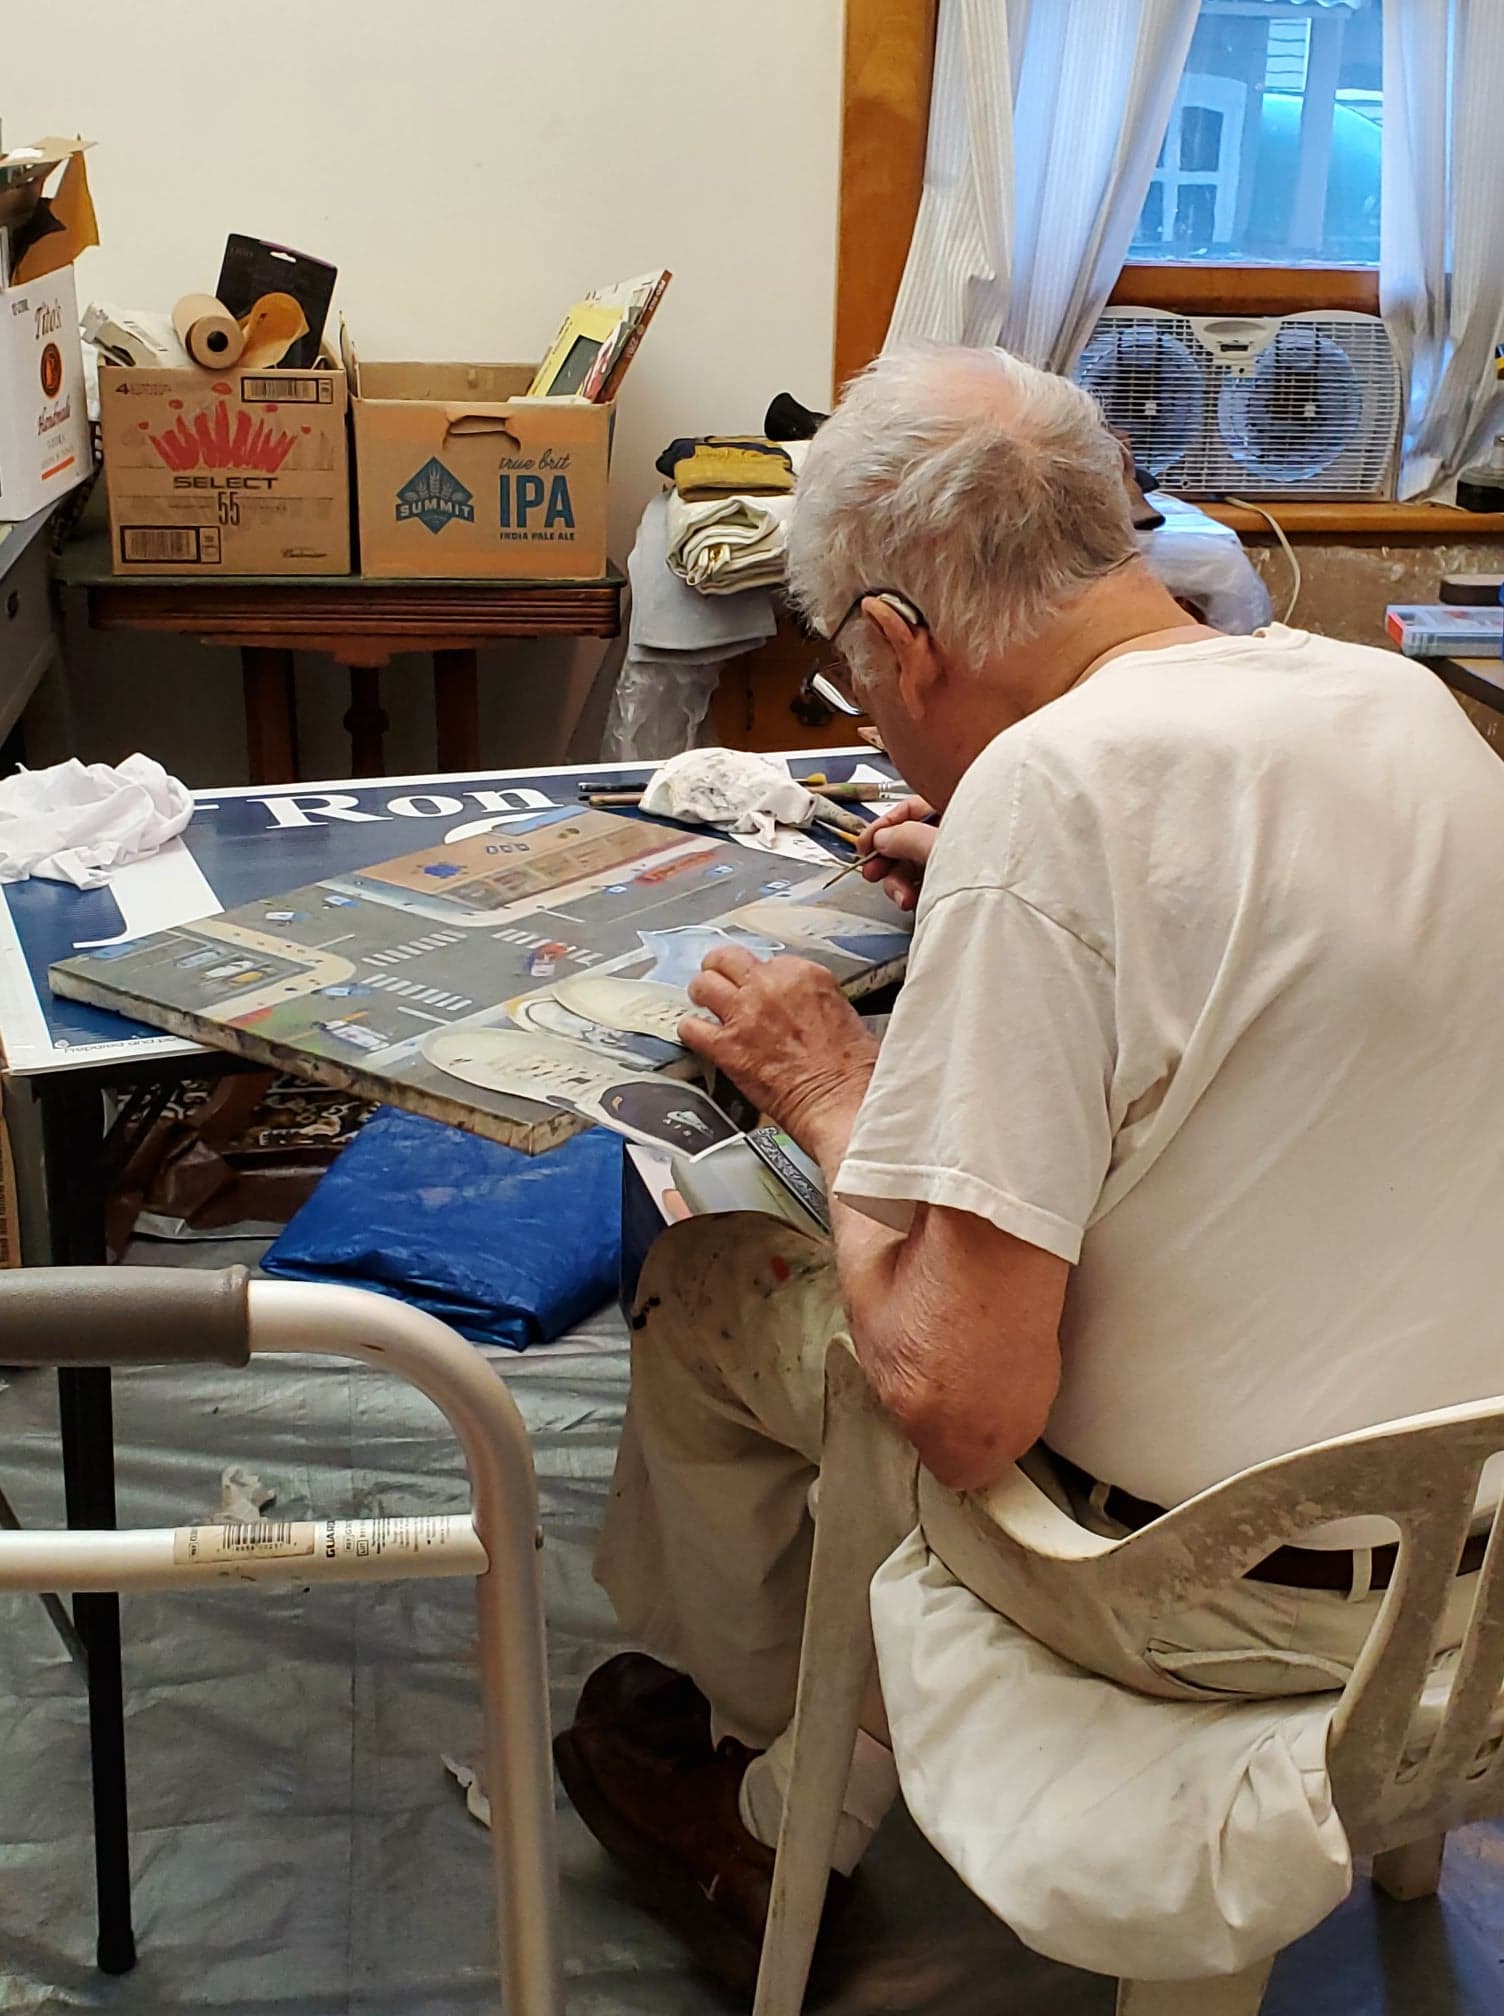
1095 92
955 283
1441 255
1045 123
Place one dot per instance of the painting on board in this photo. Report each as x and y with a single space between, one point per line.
572 934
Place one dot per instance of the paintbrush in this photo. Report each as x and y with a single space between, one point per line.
861 859
841 873
855 794
827 812
836 794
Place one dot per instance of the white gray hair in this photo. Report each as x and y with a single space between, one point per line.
988 492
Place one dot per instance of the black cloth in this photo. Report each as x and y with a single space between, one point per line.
789 421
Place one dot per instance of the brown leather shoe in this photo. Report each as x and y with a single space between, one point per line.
642 1698
673 1824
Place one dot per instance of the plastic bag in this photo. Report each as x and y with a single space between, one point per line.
660 709
1202 561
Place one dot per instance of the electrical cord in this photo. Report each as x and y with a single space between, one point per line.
1245 504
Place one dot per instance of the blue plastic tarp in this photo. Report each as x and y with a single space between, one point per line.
510 1249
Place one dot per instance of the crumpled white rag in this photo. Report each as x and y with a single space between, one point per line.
78 822
728 787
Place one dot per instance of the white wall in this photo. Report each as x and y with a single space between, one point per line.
471 166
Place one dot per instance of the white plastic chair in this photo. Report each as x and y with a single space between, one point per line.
161 1316
1404 1769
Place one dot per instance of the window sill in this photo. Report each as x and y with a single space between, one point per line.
1346 523
1199 289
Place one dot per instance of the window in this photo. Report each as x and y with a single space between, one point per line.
1272 151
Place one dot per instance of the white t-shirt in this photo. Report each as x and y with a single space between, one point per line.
1207 998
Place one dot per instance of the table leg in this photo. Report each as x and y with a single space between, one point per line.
56 1126
366 722
271 719
456 707
89 1483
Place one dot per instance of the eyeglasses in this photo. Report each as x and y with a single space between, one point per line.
833 684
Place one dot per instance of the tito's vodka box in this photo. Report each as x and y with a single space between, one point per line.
44 424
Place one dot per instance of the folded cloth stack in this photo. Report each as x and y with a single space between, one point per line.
678 639
728 512
78 822
669 622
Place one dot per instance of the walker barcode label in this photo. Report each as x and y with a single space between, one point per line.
260 1535
263 1539
295 391
343 1542
166 543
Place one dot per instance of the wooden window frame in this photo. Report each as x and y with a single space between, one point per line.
889 64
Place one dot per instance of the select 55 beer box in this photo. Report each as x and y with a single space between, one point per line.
234 472
44 424
458 475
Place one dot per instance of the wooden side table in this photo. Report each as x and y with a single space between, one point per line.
360 624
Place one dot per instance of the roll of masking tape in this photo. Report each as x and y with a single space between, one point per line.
1472 591
208 331
1481 489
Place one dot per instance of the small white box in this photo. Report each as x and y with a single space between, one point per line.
44 420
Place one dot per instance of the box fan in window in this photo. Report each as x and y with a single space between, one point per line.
1301 405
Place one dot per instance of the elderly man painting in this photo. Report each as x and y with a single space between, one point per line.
1183 1149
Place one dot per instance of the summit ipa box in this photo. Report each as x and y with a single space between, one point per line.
459 475
232 472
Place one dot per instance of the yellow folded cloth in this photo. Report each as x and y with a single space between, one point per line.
724 464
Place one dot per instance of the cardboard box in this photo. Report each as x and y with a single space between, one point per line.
43 233
457 475
44 422
232 472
